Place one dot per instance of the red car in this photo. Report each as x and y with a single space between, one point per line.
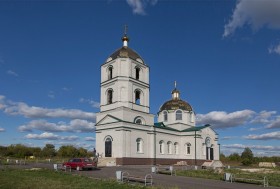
80 163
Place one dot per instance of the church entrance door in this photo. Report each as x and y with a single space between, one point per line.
209 153
108 148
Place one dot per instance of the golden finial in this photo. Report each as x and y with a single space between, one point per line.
175 93
125 38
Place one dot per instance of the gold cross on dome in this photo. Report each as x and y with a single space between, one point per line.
125 29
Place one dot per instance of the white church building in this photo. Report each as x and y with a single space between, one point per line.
125 128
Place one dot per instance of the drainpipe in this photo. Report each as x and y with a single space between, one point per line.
155 151
219 151
195 147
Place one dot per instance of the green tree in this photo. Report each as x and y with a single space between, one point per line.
68 151
234 157
18 151
222 157
49 150
37 152
82 152
3 151
247 156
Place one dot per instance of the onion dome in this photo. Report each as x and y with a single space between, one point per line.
176 103
125 51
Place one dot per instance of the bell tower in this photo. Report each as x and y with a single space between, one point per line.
124 83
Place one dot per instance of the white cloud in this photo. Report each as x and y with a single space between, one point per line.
2 129
237 146
21 108
2 98
256 14
89 139
275 124
221 119
266 136
66 89
69 138
228 137
254 129
255 147
138 6
93 103
274 49
88 146
43 136
51 94
2 102
12 73
75 125
263 117
258 150
50 136
82 125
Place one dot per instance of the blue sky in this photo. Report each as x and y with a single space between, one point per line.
224 55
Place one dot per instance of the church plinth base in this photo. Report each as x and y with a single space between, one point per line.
152 161
106 161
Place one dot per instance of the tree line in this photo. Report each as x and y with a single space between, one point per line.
247 158
48 151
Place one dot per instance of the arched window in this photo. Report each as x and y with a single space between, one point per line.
169 147
161 147
176 147
165 116
192 117
137 73
208 142
110 72
108 146
110 96
137 97
188 148
178 115
139 145
138 121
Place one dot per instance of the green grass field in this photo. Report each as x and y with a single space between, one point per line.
46 179
273 178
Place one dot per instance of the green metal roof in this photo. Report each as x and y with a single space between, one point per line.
161 125
196 128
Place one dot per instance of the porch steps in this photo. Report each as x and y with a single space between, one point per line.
106 162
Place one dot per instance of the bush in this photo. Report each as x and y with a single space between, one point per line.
246 162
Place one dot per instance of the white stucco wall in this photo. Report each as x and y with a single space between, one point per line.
188 118
125 135
124 84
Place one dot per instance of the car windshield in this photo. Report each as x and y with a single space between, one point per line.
88 160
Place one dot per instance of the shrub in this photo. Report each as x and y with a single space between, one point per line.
246 162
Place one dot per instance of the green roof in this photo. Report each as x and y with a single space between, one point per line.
196 128
161 125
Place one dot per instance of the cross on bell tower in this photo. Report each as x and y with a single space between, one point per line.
125 38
